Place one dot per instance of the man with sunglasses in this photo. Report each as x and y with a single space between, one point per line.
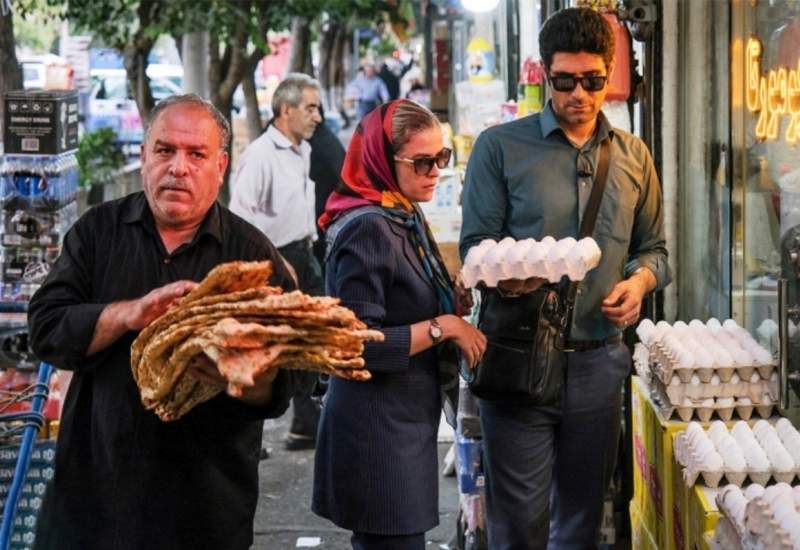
548 467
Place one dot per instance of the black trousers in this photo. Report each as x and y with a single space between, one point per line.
309 275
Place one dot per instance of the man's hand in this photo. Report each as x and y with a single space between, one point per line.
117 318
521 286
203 369
463 295
624 304
155 303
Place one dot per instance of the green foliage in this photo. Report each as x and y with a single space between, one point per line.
99 156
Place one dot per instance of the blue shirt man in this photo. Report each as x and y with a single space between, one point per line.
367 89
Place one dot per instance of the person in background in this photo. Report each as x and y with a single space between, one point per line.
548 468
123 478
272 190
389 78
327 158
375 470
367 90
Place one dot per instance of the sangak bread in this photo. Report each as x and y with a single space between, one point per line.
245 328
231 277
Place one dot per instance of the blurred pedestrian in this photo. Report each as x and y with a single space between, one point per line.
327 158
273 190
366 89
376 468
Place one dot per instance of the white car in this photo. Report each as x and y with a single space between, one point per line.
111 104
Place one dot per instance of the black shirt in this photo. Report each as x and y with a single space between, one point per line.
123 478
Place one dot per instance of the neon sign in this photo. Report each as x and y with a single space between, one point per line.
773 96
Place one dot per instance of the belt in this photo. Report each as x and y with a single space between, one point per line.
586 345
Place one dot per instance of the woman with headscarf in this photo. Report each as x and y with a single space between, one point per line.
376 470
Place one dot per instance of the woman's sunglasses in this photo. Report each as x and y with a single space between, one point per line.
567 82
424 165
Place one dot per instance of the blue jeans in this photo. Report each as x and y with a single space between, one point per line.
548 468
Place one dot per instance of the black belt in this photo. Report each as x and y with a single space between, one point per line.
586 345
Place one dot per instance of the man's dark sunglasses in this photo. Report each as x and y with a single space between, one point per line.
567 82
424 165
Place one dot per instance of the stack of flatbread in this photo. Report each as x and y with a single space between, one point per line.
244 327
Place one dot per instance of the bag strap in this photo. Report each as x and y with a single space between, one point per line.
587 227
593 208
337 226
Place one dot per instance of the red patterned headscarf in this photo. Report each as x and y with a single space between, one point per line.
368 175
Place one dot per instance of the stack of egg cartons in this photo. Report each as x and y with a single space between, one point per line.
760 453
706 368
759 517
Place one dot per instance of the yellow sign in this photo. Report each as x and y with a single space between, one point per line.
772 95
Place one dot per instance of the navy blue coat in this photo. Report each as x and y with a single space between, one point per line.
376 468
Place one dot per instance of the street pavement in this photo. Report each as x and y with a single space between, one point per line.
284 518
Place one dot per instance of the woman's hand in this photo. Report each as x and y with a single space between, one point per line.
468 338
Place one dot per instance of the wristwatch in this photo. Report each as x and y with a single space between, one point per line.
435 331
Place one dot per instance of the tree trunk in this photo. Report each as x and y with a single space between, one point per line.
10 71
336 70
300 58
135 58
326 49
195 62
254 127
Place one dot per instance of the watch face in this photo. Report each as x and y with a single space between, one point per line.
436 332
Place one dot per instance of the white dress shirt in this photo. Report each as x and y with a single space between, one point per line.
272 189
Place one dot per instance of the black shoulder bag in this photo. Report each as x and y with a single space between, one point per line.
525 359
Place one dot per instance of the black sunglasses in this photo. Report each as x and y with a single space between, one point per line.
567 82
424 165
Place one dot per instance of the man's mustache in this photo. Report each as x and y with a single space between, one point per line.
172 183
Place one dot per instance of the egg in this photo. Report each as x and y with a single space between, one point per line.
730 324
754 490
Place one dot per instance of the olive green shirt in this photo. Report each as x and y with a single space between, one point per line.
526 179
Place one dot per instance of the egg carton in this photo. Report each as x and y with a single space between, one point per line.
671 400
770 529
726 537
641 362
490 262
749 522
701 456
667 365
755 391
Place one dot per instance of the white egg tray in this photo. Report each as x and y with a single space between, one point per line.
491 262
704 400
760 454
666 367
759 518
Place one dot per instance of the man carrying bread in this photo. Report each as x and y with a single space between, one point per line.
124 479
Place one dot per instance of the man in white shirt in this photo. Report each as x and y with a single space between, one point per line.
273 191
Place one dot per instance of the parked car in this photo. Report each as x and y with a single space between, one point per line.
111 104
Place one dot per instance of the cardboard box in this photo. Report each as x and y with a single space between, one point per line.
641 538
653 490
40 122
703 516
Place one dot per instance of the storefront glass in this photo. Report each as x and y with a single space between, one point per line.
766 162
704 201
